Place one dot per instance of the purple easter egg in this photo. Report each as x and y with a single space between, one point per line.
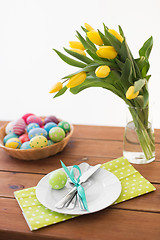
51 119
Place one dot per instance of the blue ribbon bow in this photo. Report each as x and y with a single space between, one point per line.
80 189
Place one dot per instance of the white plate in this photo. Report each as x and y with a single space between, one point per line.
101 189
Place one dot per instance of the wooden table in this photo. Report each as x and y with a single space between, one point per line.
135 219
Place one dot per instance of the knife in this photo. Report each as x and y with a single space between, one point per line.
83 179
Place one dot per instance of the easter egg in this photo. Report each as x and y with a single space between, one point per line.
24 138
51 119
57 179
25 145
32 126
37 132
9 127
65 126
50 142
34 119
13 143
26 116
38 142
49 125
56 134
8 136
19 126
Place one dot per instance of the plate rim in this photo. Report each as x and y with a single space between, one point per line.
81 212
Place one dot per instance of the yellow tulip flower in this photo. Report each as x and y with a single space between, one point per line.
88 27
116 34
107 52
56 87
95 37
76 80
130 93
78 51
76 44
102 71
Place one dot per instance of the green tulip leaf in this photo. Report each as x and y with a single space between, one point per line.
91 43
79 56
105 28
124 54
145 96
61 92
145 69
96 82
89 68
146 48
70 61
119 63
114 41
126 77
121 31
93 55
84 29
138 85
104 39
147 77
85 43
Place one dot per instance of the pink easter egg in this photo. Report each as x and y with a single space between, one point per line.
24 138
34 119
19 126
51 119
26 116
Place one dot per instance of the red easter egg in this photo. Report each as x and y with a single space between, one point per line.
24 138
26 116
51 119
19 126
34 119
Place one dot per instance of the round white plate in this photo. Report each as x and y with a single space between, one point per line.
101 189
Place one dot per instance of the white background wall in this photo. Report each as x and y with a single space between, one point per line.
29 29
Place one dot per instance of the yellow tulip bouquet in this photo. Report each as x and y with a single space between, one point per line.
110 65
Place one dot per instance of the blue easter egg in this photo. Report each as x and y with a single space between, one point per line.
37 132
32 126
8 136
26 145
49 125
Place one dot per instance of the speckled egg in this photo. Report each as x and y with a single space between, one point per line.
50 142
24 138
65 126
32 126
38 142
57 179
8 136
13 143
37 132
26 116
26 145
49 125
56 134
19 126
51 119
9 127
34 119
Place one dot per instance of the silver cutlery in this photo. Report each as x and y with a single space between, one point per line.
70 194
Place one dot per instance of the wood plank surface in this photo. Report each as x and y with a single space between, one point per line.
107 224
138 218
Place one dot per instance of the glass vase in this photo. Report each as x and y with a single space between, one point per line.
139 140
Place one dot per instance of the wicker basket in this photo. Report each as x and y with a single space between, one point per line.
34 154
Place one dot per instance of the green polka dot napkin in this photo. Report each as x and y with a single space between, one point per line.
38 216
